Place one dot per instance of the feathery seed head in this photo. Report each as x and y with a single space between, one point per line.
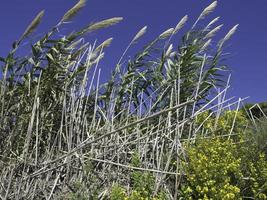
169 50
230 33
104 44
180 24
208 10
33 25
206 44
211 23
74 44
166 33
228 36
213 32
102 24
73 11
139 34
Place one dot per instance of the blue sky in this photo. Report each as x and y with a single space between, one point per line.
248 46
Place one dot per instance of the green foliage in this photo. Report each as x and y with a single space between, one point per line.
210 167
258 110
229 121
79 194
254 166
221 169
87 188
118 193
45 79
259 135
144 188
142 185
157 70
50 124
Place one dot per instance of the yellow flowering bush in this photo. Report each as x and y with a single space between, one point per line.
222 169
211 169
229 120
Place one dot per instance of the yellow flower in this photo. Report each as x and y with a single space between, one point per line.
198 188
262 196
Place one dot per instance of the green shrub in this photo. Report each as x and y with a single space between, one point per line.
118 193
221 169
78 193
212 167
228 121
258 136
142 185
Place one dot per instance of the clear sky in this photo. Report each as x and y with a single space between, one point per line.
248 47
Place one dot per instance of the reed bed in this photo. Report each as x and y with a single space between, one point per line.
60 125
